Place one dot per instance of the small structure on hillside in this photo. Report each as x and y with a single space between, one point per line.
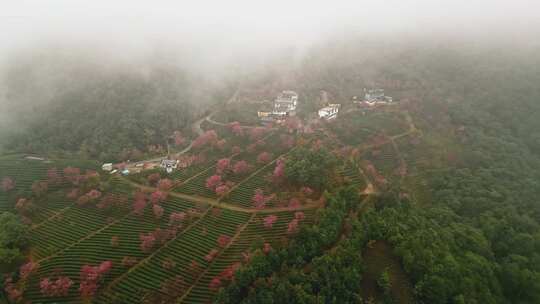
107 167
169 164
330 111
285 103
373 97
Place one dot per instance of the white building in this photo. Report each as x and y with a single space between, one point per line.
169 164
285 104
329 112
376 96
107 167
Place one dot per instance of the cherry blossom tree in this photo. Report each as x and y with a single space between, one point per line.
7 184
223 240
147 242
14 294
53 177
264 158
269 221
222 190
138 206
236 150
213 181
165 184
72 175
93 194
211 255
240 167
158 196
153 178
260 200
299 215
279 171
26 269
24 206
307 191
223 165
292 227
158 211
257 133
55 288
90 277
294 203
209 137
236 128
176 218
215 283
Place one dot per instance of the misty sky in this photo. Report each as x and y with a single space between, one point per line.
246 21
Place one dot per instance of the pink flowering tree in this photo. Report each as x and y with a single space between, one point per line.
147 242
213 181
158 196
299 215
55 288
72 175
259 199
279 171
241 167
153 178
90 277
223 240
53 177
139 204
264 158
292 227
8 184
236 150
209 137
158 211
27 269
269 221
211 255
223 165
177 218
165 184
294 203
236 128
222 190
257 133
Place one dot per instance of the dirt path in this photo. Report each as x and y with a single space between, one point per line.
219 204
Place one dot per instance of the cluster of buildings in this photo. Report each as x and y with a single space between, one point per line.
284 105
372 97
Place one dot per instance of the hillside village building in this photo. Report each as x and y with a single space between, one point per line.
373 97
284 105
329 112
169 164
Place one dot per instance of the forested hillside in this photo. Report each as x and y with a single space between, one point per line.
99 108
472 235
